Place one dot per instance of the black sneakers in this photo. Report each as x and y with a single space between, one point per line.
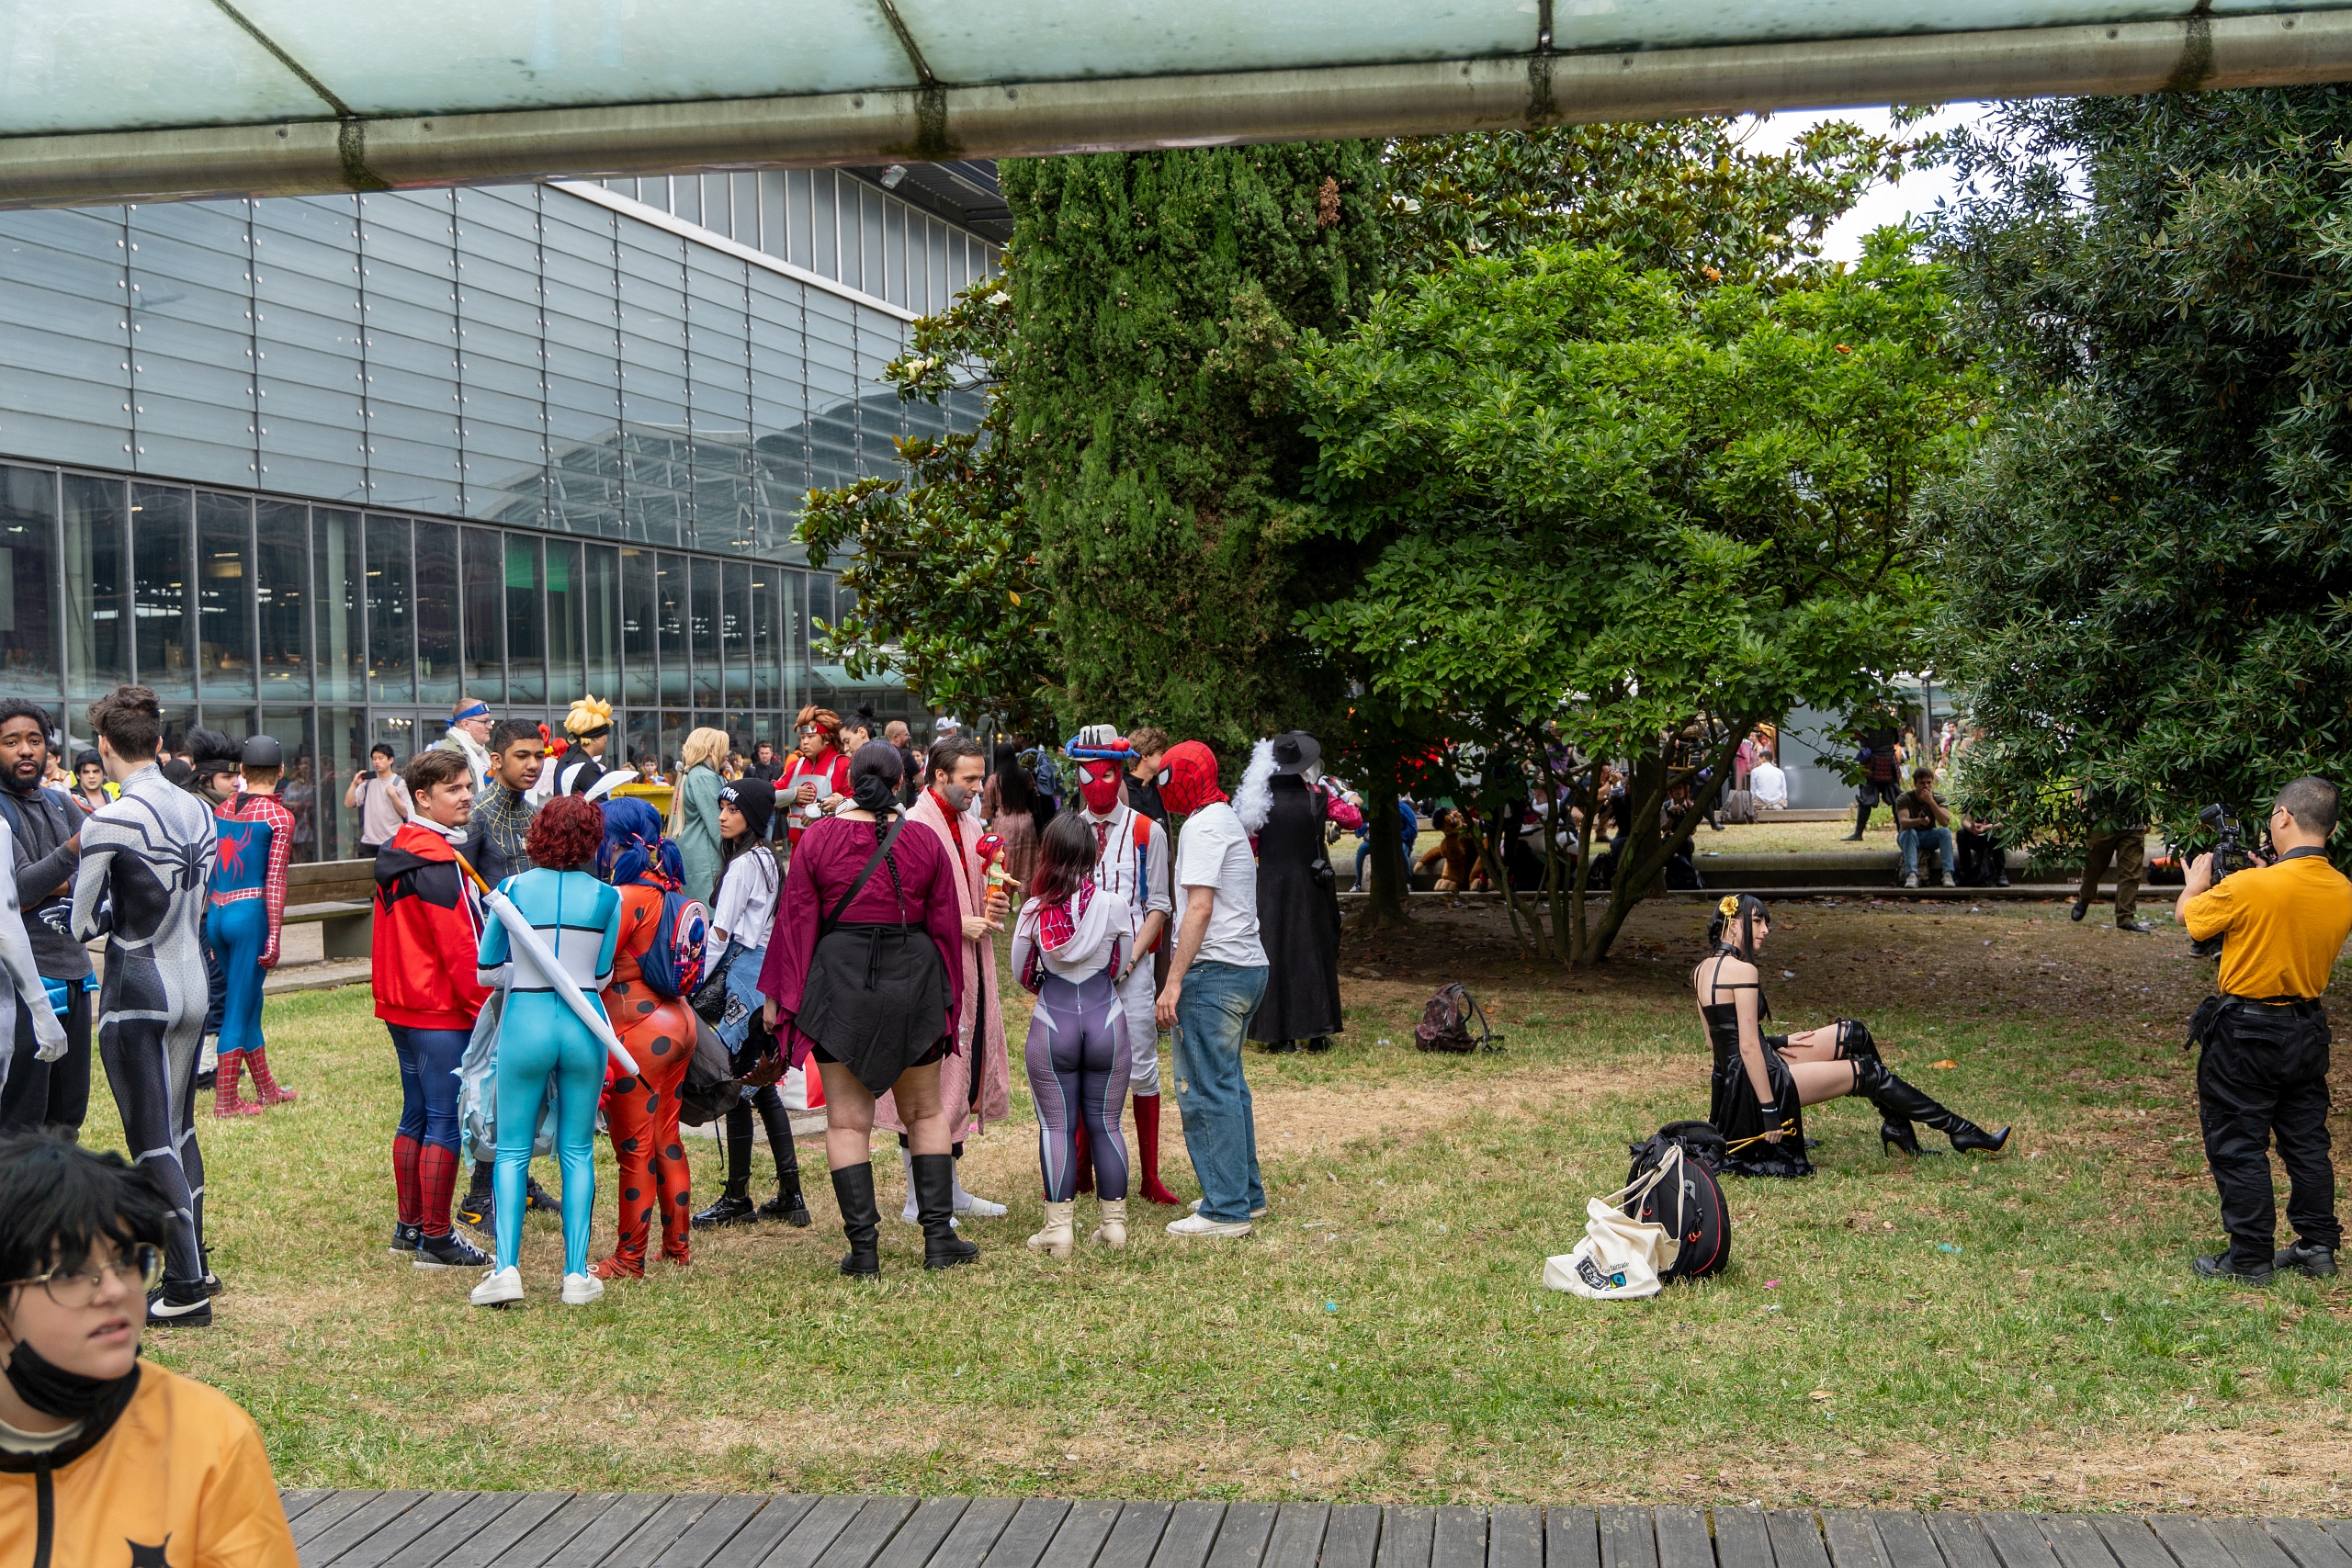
2309 1259
536 1197
180 1305
404 1239
451 1251
2217 1269
790 1207
2078 910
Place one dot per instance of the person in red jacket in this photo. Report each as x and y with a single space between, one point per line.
428 928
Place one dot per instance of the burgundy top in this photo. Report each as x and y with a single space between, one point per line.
827 861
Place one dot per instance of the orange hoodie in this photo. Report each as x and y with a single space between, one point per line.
178 1480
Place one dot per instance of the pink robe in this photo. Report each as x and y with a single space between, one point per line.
978 986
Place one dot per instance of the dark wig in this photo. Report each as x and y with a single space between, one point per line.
1746 910
1066 856
566 834
56 1199
875 774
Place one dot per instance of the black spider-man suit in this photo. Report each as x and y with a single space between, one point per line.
149 855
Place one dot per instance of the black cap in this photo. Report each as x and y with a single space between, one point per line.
263 751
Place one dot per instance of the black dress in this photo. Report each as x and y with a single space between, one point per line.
1298 917
1732 1104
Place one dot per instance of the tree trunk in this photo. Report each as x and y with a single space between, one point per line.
1383 907
1646 853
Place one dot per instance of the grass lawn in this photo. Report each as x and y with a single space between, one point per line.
2019 1332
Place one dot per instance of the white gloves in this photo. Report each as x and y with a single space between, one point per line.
49 1035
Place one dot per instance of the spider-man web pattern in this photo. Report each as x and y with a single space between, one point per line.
149 855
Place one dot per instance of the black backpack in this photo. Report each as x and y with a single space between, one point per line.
1692 1209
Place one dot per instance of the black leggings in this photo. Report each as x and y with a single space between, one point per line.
778 1123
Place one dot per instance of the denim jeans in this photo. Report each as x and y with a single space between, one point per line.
1911 841
1220 1129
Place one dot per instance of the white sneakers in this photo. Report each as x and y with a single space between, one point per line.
1055 1240
1195 1207
1201 1224
1110 1227
966 1204
502 1287
498 1287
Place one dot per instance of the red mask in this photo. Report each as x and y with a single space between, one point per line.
1188 778
1098 784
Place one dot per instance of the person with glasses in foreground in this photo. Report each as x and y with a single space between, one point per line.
104 1460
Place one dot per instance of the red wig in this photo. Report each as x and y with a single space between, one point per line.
566 833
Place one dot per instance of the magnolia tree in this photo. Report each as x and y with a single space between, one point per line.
1596 508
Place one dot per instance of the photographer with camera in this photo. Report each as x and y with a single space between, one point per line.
2264 1069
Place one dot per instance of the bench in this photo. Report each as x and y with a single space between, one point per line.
346 926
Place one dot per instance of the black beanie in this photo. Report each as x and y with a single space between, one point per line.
755 799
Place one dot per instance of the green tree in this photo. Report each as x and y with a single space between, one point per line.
1159 298
1600 509
2148 572
1687 196
951 594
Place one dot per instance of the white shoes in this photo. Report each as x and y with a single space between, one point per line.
965 1204
498 1287
1056 1239
1110 1227
1201 1224
1195 1207
579 1290
979 1208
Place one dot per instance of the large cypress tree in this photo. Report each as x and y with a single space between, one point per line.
1160 296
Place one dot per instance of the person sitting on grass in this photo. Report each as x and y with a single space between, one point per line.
103 1459
1761 1081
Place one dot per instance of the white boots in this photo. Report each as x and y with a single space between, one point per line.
966 1204
502 1287
1055 1240
1060 1234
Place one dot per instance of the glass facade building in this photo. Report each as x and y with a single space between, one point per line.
318 467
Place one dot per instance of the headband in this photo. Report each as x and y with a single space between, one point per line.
479 710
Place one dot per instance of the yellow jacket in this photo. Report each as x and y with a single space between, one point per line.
178 1480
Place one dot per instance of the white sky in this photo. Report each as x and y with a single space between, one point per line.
1916 193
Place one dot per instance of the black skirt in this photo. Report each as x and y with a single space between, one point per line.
876 998
1734 1109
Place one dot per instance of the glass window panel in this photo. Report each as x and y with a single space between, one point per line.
192 365
407 268
343 753
744 209
97 583
485 598
653 382
772 225
639 610
602 616
567 671
310 384
405 733
704 615
894 251
797 220
685 197
670 622
720 354
526 622
870 202
935 251
582 369
178 719
338 604
644 736
718 212
779 408
766 692
438 660
825 220
64 335
735 632
675 722
832 391
299 786
792 623
161 535
28 608
282 588
392 613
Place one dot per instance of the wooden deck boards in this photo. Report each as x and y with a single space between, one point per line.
516 1529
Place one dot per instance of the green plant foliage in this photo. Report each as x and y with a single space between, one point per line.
1595 506
950 595
1159 298
1686 196
2148 573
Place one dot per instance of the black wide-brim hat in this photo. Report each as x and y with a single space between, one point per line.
1295 752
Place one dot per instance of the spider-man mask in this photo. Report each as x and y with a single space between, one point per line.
1098 784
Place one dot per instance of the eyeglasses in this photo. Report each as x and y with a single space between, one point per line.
142 1267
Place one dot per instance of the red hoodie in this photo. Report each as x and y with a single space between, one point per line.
428 934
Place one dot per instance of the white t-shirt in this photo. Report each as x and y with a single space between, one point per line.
746 907
1770 785
1213 852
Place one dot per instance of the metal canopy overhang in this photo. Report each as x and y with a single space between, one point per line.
929 118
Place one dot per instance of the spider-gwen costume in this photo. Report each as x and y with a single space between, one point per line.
246 916
1069 953
149 855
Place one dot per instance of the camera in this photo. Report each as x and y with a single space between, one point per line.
2229 854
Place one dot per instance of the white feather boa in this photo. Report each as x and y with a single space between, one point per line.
1254 801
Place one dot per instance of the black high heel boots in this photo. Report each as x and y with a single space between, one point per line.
1901 1104
1855 1044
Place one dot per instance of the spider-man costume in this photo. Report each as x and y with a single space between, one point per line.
246 917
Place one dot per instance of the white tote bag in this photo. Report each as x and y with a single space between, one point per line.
1620 1257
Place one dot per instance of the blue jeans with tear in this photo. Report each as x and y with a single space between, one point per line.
1213 1017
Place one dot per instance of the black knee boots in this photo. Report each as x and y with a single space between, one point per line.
861 1222
934 1184
1901 1104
